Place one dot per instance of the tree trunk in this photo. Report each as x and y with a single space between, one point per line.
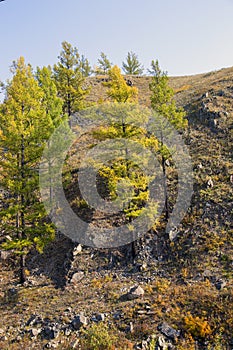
22 269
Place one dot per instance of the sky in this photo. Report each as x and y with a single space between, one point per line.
186 36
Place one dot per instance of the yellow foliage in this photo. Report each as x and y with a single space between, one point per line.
197 326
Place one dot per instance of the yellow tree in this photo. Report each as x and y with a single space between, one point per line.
25 127
118 90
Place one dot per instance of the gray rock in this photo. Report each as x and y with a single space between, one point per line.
50 333
79 321
168 331
77 277
220 284
100 317
4 255
135 293
34 332
162 344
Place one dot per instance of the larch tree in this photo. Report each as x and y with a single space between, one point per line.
25 128
104 65
124 121
85 67
163 103
69 79
132 66
118 90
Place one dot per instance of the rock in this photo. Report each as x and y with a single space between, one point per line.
209 183
77 277
168 331
79 321
34 332
50 333
77 250
220 284
34 320
100 317
129 328
135 293
4 255
162 344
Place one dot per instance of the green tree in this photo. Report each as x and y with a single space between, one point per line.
163 103
104 65
124 122
132 65
85 67
25 127
118 90
53 107
69 79
51 102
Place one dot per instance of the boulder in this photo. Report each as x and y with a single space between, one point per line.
79 321
168 331
135 293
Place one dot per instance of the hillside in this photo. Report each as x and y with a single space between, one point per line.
76 297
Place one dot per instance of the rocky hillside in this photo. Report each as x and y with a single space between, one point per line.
176 295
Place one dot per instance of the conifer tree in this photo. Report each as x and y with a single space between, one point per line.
69 79
104 65
24 126
85 67
132 66
118 90
163 104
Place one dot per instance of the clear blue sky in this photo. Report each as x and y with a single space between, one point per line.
187 36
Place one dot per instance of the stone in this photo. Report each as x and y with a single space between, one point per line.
135 293
77 250
4 255
79 321
100 317
220 284
34 332
210 183
77 277
168 331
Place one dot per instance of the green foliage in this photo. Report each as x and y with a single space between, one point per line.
51 102
99 337
162 98
104 65
118 90
85 67
132 65
69 79
125 121
28 116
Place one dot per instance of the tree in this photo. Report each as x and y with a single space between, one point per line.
104 64
125 125
51 102
69 79
53 107
85 67
132 65
163 104
25 127
118 90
